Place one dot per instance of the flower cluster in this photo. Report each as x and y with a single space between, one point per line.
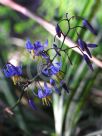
51 67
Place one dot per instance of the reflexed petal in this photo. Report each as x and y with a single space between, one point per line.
88 52
39 48
19 69
52 82
45 56
88 61
45 72
89 26
7 73
58 65
54 70
47 90
29 45
81 44
41 93
58 30
11 70
37 44
46 43
91 45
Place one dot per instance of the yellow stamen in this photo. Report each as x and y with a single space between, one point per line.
46 100
15 79
59 75
33 54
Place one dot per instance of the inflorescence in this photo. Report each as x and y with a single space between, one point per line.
50 68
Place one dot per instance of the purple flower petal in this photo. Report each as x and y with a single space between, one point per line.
89 26
41 93
91 45
46 44
29 45
52 82
47 90
45 72
81 44
10 70
58 31
88 61
88 52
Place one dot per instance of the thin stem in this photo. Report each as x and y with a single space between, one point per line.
55 37
54 57
18 101
62 20
63 42
77 17
50 49
69 48
69 59
67 31
78 26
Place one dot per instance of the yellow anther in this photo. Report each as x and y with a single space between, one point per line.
33 54
15 79
59 76
46 100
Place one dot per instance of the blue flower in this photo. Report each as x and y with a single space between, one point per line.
88 61
84 46
52 82
38 47
13 72
45 94
29 45
53 69
92 45
81 44
89 26
58 31
10 70
45 56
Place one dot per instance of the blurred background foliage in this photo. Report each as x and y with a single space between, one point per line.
76 114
